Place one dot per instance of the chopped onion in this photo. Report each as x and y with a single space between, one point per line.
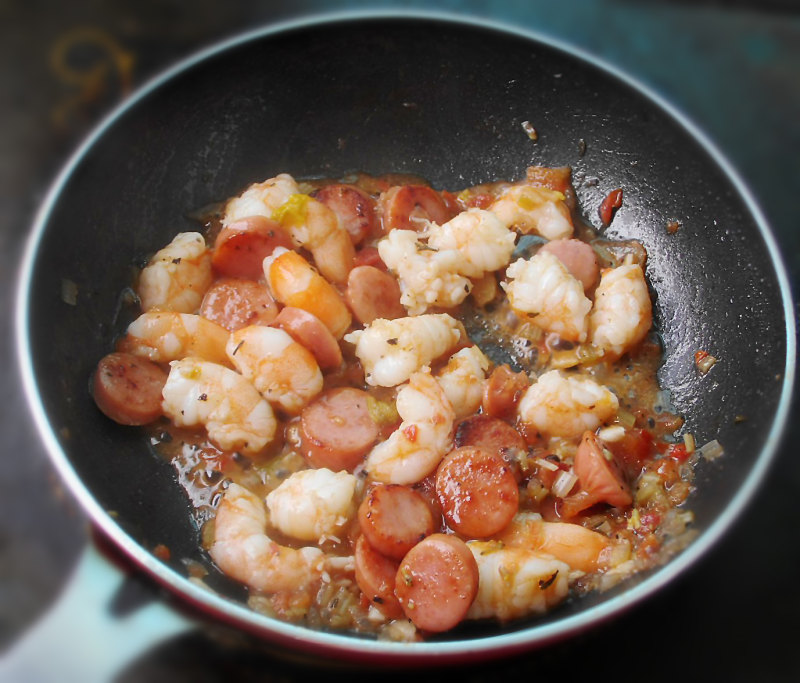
712 450
625 418
612 434
69 292
546 464
688 442
564 483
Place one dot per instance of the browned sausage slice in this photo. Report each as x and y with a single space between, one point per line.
437 582
373 294
578 258
410 207
354 208
503 391
127 388
598 472
488 434
234 304
240 248
336 430
375 576
309 331
394 519
478 492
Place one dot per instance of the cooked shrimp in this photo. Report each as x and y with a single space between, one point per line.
482 241
622 313
310 223
313 504
556 405
427 277
463 379
261 199
293 282
166 336
536 210
283 371
177 277
417 446
242 549
315 227
201 393
515 582
582 549
543 290
391 350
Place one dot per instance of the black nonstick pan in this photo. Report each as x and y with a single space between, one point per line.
440 98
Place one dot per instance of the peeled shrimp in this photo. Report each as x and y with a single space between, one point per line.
391 350
417 446
557 405
482 241
311 224
293 282
201 393
515 582
313 504
622 313
243 550
177 277
543 290
427 277
283 371
535 210
166 336
463 380
261 199
582 549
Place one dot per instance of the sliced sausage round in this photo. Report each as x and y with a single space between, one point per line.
478 492
598 472
394 519
436 582
127 388
410 207
354 208
503 390
489 434
240 248
336 429
578 258
309 331
234 303
375 576
371 293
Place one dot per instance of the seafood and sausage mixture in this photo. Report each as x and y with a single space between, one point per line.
396 408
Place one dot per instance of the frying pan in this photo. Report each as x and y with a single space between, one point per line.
445 99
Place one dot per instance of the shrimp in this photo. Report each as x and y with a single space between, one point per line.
427 277
537 210
515 582
463 379
483 242
417 446
561 406
622 313
313 504
293 282
242 549
283 371
177 277
166 336
310 223
261 199
391 350
543 290
315 227
582 549
233 412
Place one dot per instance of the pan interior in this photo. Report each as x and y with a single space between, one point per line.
439 99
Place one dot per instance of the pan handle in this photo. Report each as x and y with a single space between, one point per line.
79 639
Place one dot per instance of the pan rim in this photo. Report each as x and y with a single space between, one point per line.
345 644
